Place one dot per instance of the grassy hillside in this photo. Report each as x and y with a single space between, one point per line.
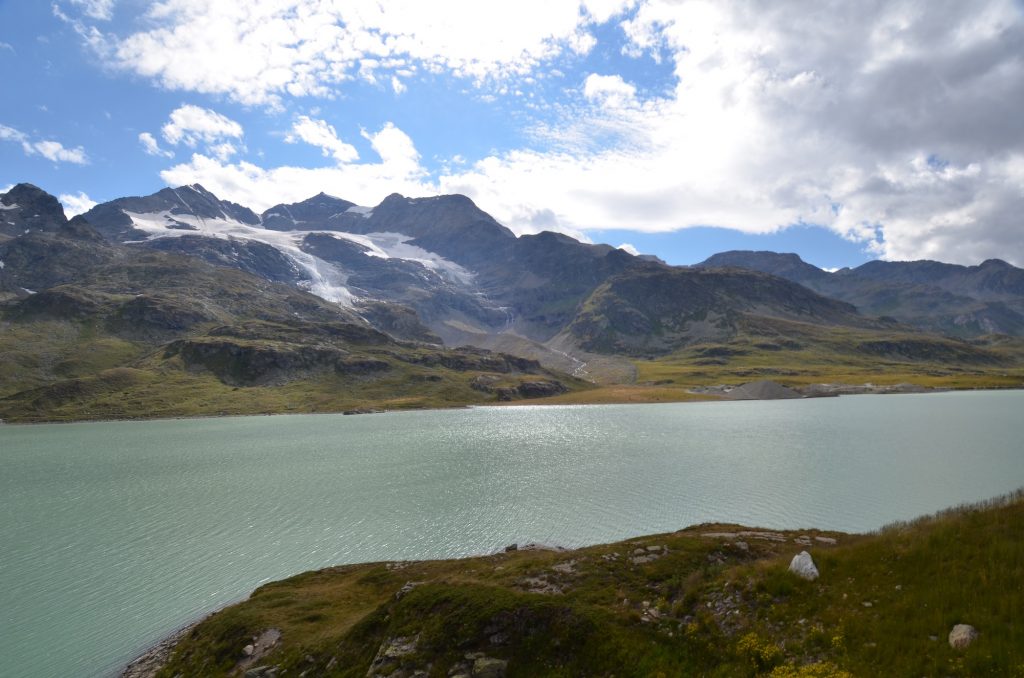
149 334
714 600
64 371
655 310
798 354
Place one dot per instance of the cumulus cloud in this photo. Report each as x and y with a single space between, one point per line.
47 148
76 203
367 183
322 135
151 147
626 247
894 124
194 126
259 51
190 125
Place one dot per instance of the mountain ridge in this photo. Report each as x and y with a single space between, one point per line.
181 286
956 300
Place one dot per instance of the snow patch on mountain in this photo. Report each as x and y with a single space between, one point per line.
367 212
326 280
396 246
12 206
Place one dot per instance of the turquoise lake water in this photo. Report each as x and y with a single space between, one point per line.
112 535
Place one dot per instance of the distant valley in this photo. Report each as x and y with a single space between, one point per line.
182 304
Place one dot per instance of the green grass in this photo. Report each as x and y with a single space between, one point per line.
134 393
722 610
39 353
59 376
797 354
66 370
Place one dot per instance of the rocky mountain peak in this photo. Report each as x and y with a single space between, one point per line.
29 208
995 263
311 214
787 264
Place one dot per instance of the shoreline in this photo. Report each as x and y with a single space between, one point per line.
152 660
698 397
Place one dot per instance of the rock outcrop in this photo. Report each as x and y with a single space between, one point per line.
803 566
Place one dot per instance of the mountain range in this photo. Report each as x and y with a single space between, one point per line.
326 304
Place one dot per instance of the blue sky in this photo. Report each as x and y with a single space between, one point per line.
886 129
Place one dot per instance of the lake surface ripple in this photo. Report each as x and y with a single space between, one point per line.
114 534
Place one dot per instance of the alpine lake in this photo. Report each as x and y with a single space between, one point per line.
115 534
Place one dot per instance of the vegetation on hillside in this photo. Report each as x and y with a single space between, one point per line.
798 355
158 335
714 600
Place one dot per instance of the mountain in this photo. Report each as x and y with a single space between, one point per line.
26 208
314 213
660 309
788 266
467 278
960 301
94 328
186 208
180 303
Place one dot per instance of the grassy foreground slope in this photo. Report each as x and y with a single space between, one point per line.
712 600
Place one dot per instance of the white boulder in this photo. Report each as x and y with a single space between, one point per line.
961 636
802 566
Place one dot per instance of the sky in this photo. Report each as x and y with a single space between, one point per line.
842 131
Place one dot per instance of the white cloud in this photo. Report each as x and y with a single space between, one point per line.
190 125
49 149
894 124
55 151
151 147
609 90
75 204
397 85
10 134
603 10
626 247
366 183
6 45
223 151
259 51
97 9
322 135
395 149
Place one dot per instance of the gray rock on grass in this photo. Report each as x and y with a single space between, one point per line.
803 566
962 636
